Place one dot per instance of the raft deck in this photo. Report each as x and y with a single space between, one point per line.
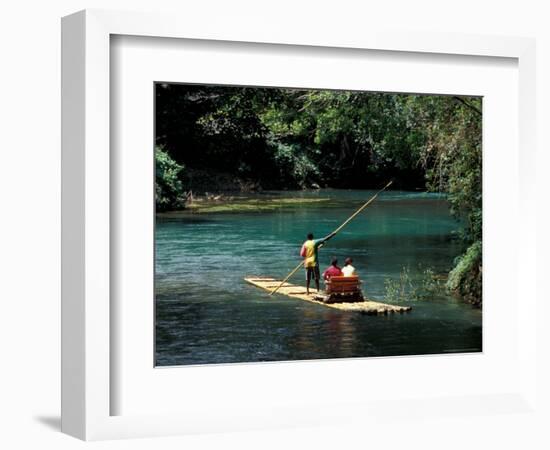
291 290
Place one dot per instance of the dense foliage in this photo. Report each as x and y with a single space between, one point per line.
465 278
168 186
263 138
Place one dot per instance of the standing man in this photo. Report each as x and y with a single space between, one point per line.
311 261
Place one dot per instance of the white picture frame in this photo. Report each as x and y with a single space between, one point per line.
87 385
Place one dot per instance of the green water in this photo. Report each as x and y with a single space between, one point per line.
206 313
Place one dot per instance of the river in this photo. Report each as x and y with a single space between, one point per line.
206 313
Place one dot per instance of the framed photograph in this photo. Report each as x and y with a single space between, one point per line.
253 217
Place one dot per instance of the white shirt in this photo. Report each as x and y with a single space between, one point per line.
348 271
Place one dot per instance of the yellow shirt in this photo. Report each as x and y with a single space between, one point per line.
309 252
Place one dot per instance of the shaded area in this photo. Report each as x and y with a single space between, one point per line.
51 422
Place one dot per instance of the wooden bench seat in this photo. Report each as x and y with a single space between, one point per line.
343 285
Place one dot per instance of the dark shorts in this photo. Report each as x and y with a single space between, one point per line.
313 272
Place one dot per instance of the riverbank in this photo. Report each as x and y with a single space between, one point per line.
236 202
216 201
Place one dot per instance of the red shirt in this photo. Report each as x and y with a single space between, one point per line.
332 271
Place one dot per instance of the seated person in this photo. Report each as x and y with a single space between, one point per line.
348 270
332 271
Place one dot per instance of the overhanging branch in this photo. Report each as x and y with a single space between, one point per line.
469 105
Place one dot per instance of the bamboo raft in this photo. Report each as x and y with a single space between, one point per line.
364 306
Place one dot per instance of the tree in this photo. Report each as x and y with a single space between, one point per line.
168 186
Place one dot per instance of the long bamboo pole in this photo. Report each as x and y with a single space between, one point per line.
353 216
